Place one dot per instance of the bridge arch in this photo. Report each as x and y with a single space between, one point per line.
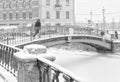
95 41
7 52
98 42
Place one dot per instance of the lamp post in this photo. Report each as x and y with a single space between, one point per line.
112 44
97 28
104 22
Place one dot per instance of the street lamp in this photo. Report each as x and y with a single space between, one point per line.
97 28
112 44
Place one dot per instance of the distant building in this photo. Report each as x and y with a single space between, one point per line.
51 12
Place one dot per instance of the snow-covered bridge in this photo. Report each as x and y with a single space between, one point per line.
95 41
36 68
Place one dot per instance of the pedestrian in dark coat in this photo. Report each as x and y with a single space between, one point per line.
37 27
116 34
102 33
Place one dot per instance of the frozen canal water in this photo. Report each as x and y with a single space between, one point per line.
89 66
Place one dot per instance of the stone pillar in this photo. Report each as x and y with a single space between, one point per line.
70 34
28 70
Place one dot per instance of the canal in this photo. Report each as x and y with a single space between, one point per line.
89 65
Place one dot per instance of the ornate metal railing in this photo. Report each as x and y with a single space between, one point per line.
7 60
23 34
51 72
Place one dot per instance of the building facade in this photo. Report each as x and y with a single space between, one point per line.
50 12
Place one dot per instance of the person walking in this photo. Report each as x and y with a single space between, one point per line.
102 33
37 27
116 34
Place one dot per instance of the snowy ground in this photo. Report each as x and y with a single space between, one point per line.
1 79
89 66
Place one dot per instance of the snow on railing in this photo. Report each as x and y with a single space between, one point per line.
13 35
9 62
58 72
7 59
38 63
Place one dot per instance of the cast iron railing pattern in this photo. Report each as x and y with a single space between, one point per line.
24 34
48 70
51 72
7 60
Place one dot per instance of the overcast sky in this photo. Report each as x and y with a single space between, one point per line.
84 7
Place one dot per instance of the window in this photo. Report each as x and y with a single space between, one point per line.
14 24
24 4
4 5
67 14
30 3
57 24
67 2
4 16
10 6
17 15
57 14
57 1
16 4
10 16
48 15
24 15
30 15
47 24
47 2
2 24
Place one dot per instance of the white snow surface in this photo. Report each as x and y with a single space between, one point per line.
89 66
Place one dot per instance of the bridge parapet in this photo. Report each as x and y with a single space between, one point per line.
50 41
35 68
95 41
47 70
27 67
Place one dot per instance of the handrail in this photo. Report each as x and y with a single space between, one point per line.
10 64
24 34
7 59
59 69
11 47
